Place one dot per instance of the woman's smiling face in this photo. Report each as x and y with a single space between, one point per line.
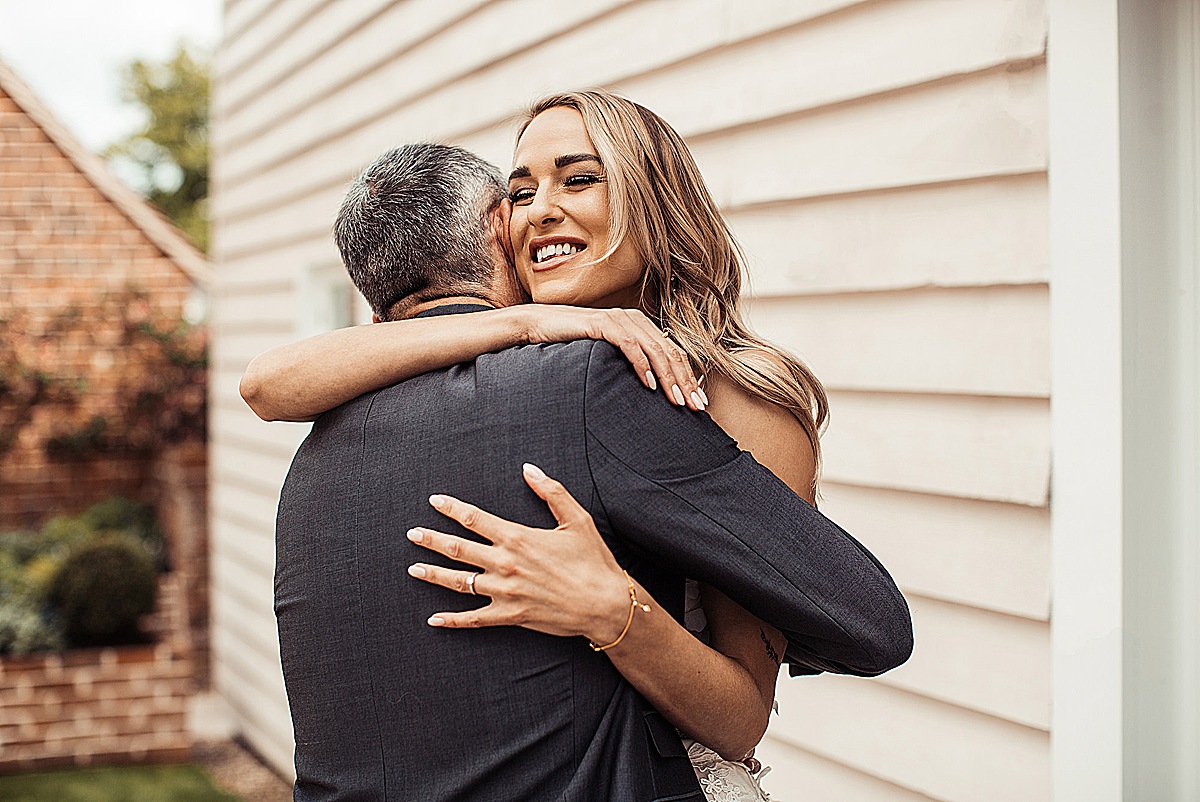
560 219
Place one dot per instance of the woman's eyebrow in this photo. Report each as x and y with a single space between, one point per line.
559 162
574 158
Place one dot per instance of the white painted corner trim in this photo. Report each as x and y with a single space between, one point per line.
1086 380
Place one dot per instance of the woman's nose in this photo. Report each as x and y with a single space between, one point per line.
544 210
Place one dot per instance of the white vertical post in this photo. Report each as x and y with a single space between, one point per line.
1159 109
1086 405
1189 480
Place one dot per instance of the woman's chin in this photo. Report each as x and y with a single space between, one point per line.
575 295
558 293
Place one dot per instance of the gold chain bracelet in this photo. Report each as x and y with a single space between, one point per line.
634 604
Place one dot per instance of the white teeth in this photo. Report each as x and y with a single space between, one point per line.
559 249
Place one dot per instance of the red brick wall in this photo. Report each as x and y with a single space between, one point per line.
180 497
63 248
125 704
70 261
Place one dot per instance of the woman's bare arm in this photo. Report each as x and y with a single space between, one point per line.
769 432
722 696
300 380
569 584
566 582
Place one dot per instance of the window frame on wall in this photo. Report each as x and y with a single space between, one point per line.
327 299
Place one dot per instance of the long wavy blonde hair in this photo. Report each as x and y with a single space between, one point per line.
693 285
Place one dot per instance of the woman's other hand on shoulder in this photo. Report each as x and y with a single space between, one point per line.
659 362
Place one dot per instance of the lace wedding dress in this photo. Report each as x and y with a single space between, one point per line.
721 780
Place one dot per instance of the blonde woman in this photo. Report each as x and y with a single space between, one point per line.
610 214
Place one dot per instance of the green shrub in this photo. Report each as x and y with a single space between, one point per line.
85 578
122 515
56 538
39 573
102 589
21 546
23 630
12 575
26 624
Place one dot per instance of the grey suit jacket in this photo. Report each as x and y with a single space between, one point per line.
385 707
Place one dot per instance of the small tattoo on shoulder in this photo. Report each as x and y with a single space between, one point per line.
771 653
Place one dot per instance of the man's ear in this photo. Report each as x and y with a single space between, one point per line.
501 217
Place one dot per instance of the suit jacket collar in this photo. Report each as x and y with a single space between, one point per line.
453 309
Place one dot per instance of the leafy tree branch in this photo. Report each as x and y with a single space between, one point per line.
171 149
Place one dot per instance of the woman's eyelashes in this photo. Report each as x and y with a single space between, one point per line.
583 180
523 196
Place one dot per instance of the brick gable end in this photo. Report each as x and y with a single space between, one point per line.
63 246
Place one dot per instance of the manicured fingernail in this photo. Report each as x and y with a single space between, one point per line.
696 400
438 501
436 621
417 571
650 382
533 471
678 394
703 394
415 535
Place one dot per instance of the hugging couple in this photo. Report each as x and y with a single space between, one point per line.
525 554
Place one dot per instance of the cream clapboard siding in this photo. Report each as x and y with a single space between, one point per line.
884 164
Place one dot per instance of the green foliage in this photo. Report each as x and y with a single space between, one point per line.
119 514
168 402
25 382
84 578
102 589
162 362
171 150
19 548
59 535
25 624
24 629
78 441
26 567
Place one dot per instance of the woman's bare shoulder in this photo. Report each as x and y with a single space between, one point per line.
769 432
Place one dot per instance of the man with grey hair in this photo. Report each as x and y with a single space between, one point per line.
423 223
385 707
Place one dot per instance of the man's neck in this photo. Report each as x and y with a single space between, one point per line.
450 300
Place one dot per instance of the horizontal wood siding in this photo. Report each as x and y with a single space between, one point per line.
906 238
883 163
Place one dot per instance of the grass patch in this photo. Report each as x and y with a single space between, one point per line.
117 784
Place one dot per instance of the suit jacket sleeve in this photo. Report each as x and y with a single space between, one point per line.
672 482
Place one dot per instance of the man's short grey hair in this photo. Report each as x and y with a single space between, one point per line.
415 226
